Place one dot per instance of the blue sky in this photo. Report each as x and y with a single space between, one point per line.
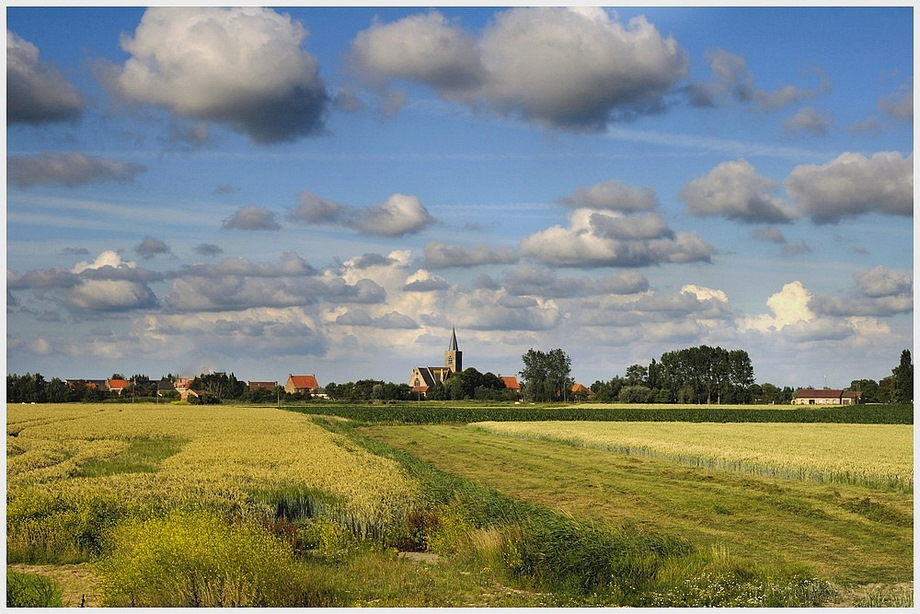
330 191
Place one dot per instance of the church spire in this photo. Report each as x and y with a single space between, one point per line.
453 357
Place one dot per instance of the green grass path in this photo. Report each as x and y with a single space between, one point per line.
849 535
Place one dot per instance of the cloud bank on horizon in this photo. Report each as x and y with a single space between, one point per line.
332 190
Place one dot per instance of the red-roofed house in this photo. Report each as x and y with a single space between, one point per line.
116 385
301 383
581 390
511 382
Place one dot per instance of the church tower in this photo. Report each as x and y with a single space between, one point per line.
453 357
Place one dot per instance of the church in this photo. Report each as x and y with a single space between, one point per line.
423 378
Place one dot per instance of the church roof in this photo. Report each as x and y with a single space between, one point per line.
453 341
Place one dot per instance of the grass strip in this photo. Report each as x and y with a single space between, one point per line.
141 456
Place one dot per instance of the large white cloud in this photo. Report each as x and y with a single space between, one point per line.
573 68
853 184
735 190
243 66
604 238
36 93
106 284
424 47
799 316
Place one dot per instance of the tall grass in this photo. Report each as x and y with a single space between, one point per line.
198 560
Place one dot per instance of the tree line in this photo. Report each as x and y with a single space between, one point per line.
699 374
696 375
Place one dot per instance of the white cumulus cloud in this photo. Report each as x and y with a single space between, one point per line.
605 238
558 67
244 67
736 191
853 184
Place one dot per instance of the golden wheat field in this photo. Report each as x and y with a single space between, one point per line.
878 455
223 453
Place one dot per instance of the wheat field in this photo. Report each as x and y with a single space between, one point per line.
225 453
863 454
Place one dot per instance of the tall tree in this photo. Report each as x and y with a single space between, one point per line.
546 375
904 379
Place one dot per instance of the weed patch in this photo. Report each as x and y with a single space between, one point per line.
879 512
198 560
141 456
31 591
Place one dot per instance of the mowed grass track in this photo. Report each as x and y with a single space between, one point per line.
874 455
848 534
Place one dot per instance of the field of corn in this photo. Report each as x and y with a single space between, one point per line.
171 505
874 455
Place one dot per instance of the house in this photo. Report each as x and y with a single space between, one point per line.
423 378
253 386
116 385
581 390
300 384
825 396
511 382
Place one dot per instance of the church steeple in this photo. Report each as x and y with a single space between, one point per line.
453 357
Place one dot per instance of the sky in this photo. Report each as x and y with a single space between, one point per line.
331 191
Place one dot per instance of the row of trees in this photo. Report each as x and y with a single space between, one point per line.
700 374
33 388
369 390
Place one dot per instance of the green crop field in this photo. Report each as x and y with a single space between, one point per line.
172 505
849 534
878 455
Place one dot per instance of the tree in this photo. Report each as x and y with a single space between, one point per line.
636 375
636 394
219 386
867 388
705 374
546 375
904 379
887 389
